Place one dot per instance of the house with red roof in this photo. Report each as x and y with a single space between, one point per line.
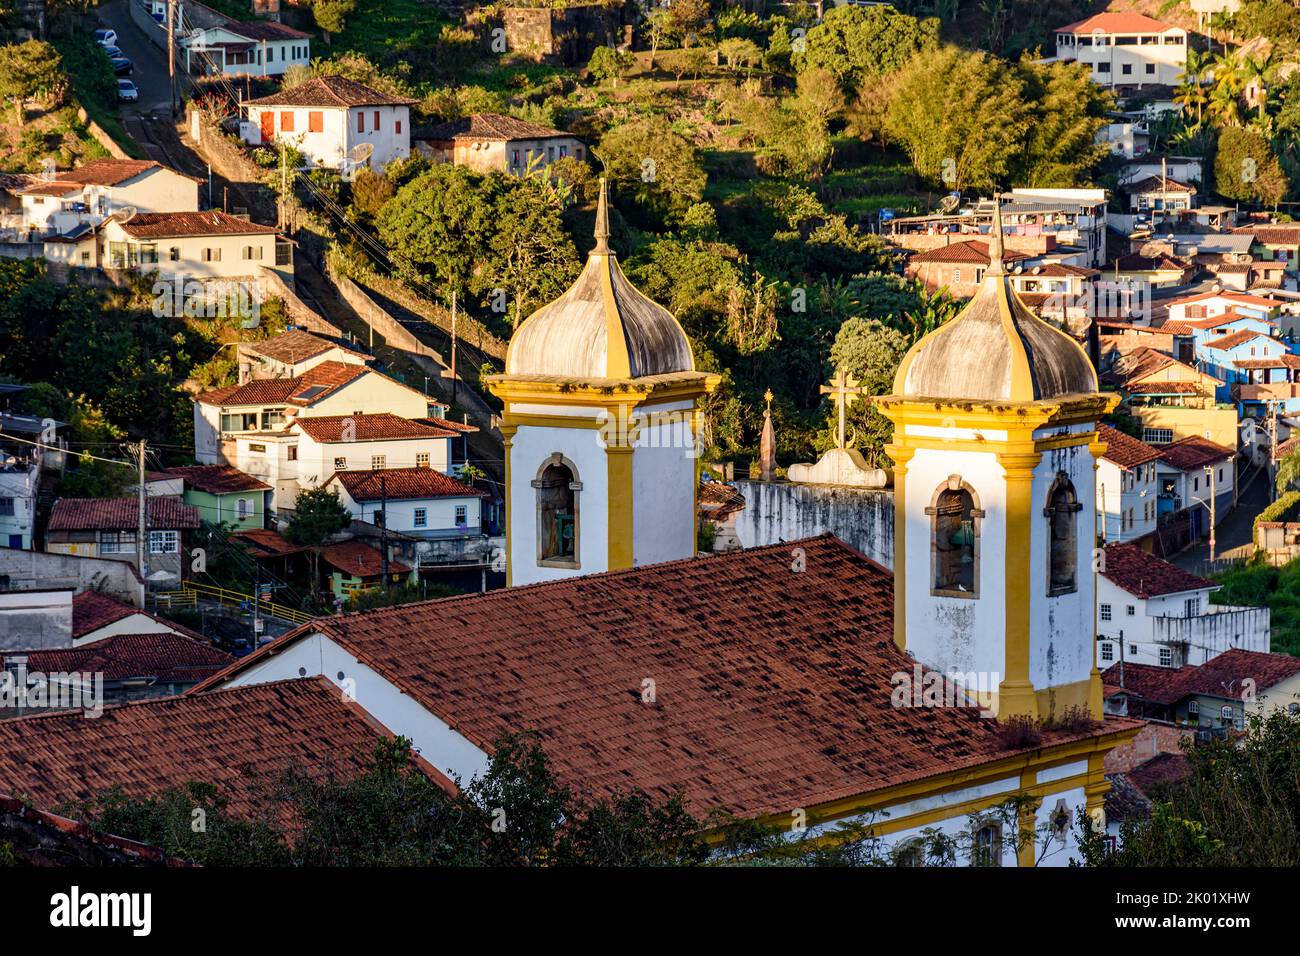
1126 485
1125 49
1153 613
108 528
1213 699
224 495
292 354
420 502
1200 476
958 266
97 616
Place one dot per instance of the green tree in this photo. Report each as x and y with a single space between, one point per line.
1068 109
1246 168
687 18
332 15
1239 806
27 70
856 44
1288 473
960 117
317 514
655 164
606 63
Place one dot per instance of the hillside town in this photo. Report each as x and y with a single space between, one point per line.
617 433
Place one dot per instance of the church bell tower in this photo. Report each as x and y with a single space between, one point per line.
601 428
995 442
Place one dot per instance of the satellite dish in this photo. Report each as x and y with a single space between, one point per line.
949 202
126 213
357 156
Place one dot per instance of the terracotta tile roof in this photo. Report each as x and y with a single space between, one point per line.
1125 450
384 426
294 346
967 251
264 30
265 543
218 479
403 483
39 838
1143 361
1224 676
1277 234
1143 575
174 225
1243 298
1124 801
308 388
1280 361
1233 339
719 500
360 560
1155 184
161 657
337 92
166 513
1166 388
1137 262
1181 326
92 610
233 738
773 688
1285 448
1160 770
490 126
1116 23
111 172
463 427
1194 452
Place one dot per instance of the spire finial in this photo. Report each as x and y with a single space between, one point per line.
996 251
602 221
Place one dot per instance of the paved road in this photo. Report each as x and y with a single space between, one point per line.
149 60
1238 528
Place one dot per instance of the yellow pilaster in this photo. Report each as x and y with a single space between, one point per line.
1016 692
618 457
507 436
900 455
1095 790
1025 848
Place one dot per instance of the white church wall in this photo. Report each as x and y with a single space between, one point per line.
431 737
777 511
957 634
1061 628
663 489
530 449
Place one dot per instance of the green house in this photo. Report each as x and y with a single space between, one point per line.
225 495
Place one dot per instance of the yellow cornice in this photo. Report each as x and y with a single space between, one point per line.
542 390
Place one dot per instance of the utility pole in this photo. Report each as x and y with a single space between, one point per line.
141 540
1272 448
383 530
284 184
1209 470
171 54
257 604
453 346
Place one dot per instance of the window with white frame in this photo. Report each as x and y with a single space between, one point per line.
421 517
462 516
1166 657
164 542
1104 611
1193 707
377 462
1107 651
422 459
116 542
242 507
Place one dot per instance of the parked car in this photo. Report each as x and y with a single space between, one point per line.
114 52
106 37
127 92
122 66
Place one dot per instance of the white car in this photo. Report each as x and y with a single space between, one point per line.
106 37
127 92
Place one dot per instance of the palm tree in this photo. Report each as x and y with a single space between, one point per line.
1259 70
1228 83
1288 472
1194 70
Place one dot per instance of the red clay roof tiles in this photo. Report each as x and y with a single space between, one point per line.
358 559
772 687
1125 450
384 426
166 512
219 738
163 657
1143 575
218 479
1194 452
403 483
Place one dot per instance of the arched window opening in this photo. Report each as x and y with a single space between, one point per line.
1062 512
955 517
557 512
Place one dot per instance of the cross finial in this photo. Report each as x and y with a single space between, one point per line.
602 221
996 251
767 397
842 389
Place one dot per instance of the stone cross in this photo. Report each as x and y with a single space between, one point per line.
842 389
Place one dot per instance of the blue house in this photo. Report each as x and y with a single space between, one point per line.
1244 357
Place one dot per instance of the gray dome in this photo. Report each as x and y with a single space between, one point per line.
602 327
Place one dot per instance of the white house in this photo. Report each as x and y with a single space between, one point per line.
1193 470
490 142
192 245
252 48
62 202
327 118
1152 612
1125 49
421 502
291 355
1127 485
